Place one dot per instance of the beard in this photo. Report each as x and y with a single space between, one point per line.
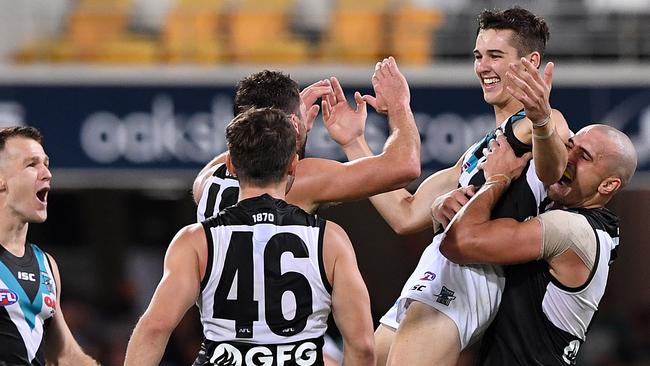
300 150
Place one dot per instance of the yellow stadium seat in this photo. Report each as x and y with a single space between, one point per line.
262 34
355 35
411 33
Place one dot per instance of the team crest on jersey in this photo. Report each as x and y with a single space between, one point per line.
445 296
8 297
226 355
571 352
47 281
428 276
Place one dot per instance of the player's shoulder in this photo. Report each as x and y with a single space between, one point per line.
336 237
315 165
567 222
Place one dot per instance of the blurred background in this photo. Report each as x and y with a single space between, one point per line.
133 97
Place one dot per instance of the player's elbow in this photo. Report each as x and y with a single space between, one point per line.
549 176
403 227
403 165
549 171
457 245
360 351
155 327
411 167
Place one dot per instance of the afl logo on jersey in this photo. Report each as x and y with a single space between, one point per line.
7 297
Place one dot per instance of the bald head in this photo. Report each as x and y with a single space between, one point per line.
621 156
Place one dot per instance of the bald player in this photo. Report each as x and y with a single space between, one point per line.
557 263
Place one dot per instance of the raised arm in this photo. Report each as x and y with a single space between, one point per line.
472 237
350 299
548 130
62 348
319 181
176 292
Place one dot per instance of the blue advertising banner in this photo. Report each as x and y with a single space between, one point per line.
181 127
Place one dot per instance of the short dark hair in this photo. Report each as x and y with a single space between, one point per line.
267 89
531 32
19 131
261 143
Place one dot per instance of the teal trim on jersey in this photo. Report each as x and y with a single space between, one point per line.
23 300
40 256
473 160
517 116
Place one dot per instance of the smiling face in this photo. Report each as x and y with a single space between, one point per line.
590 168
24 179
492 55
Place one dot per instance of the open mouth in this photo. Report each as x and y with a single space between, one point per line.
567 176
491 81
42 194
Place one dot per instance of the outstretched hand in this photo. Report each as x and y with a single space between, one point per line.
533 91
310 96
390 86
501 159
343 123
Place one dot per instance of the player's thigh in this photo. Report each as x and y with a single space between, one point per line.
425 337
384 336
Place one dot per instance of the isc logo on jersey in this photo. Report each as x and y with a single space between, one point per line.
7 297
228 355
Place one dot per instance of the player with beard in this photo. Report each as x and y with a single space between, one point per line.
264 274
319 181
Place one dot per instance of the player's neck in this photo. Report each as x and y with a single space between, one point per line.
502 112
274 190
13 234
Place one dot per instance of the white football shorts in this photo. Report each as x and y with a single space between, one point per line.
468 294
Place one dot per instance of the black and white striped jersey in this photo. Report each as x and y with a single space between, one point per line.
541 321
525 195
220 191
265 292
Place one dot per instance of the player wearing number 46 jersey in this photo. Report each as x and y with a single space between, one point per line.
265 274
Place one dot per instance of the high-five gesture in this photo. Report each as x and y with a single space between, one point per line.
310 95
390 86
343 123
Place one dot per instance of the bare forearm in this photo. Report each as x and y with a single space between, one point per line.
406 213
396 207
404 137
464 232
549 153
357 149
146 346
478 209
74 358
